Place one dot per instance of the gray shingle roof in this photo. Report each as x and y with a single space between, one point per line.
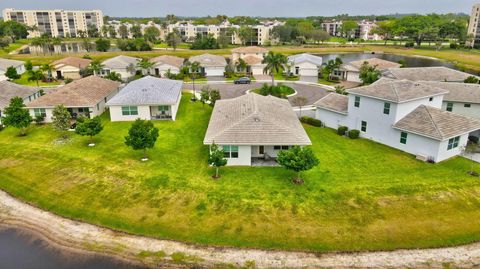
305 57
458 92
168 59
254 119
148 91
334 102
397 91
120 62
209 60
379 63
436 123
437 73
8 90
6 63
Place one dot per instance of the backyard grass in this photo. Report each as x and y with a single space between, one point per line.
23 80
363 196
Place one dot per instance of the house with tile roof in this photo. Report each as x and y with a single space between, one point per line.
210 65
6 63
435 73
70 67
148 98
126 66
9 90
305 64
254 127
402 114
86 97
253 57
351 71
167 63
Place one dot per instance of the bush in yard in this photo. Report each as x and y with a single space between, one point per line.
409 45
16 115
89 127
298 159
342 130
471 80
61 120
354 134
214 97
39 119
11 73
142 136
311 121
454 45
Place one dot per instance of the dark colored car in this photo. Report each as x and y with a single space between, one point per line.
244 80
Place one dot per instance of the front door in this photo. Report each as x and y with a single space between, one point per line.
59 74
157 72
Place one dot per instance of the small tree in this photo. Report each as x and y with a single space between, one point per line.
468 151
36 75
102 44
17 116
369 73
471 80
61 120
28 65
216 159
298 159
114 76
205 95
142 136
340 90
214 96
300 101
89 127
11 73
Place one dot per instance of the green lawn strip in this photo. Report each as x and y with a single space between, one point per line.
23 80
363 196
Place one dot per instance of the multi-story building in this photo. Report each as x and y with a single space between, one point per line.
332 27
474 26
364 30
58 22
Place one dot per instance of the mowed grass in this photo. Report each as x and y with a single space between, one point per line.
363 196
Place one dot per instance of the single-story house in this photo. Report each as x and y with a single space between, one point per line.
86 96
253 127
351 71
6 63
306 65
148 98
126 66
436 73
70 67
402 114
166 63
9 90
253 57
210 65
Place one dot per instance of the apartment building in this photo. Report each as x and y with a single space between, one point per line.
332 27
364 30
474 26
58 22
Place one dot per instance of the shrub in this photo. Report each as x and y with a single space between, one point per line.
39 119
453 45
1 127
311 121
354 134
409 45
473 139
67 80
342 130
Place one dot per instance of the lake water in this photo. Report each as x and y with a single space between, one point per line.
23 250
70 47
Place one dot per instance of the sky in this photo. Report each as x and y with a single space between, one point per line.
262 8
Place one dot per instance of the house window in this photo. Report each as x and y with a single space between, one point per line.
431 99
230 152
39 112
277 147
453 142
403 138
285 147
98 106
129 110
357 101
364 126
467 105
449 107
386 108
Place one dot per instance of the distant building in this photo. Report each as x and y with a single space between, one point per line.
58 22
332 27
474 25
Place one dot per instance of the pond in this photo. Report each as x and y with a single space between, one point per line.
21 249
69 47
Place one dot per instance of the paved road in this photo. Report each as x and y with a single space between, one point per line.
227 91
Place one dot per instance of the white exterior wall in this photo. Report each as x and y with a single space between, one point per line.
68 72
405 108
163 68
215 71
332 119
459 108
116 114
124 74
306 69
444 153
353 76
257 69
244 157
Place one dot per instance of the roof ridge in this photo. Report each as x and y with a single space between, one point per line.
395 91
433 121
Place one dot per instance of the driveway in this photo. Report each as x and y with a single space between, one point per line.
310 92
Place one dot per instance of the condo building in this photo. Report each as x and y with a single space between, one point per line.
474 26
58 22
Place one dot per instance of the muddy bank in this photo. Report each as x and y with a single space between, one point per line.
79 236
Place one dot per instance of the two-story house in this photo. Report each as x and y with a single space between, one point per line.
402 114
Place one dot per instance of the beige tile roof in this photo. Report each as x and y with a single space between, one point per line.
168 59
85 92
73 61
252 60
334 102
437 73
209 60
397 91
380 63
458 92
250 49
254 119
436 123
8 90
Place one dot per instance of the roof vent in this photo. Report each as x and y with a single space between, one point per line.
256 119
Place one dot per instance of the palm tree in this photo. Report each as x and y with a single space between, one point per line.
274 64
49 68
194 67
241 65
36 75
132 69
96 66
145 65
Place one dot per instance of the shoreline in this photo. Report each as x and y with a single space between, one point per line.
80 237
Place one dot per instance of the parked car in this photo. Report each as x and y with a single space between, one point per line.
243 80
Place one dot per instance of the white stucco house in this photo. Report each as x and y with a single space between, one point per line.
70 67
253 57
126 66
6 63
165 64
253 127
351 71
402 114
305 65
436 73
148 98
9 90
210 65
86 97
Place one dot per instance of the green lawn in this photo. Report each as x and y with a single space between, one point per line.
363 196
23 80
